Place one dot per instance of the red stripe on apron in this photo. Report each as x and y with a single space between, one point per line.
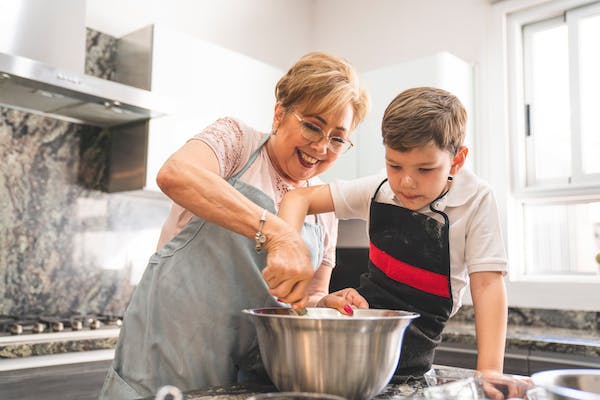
426 281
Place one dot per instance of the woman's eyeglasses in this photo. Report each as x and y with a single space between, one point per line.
314 133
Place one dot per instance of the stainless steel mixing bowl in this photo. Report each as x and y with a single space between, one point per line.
327 352
569 384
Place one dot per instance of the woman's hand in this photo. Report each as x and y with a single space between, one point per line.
345 301
289 269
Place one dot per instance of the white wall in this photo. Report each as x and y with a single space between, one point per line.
442 70
206 82
275 32
371 34
376 33
380 33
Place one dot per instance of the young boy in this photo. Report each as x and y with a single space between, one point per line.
433 228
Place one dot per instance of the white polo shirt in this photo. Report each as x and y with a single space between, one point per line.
475 236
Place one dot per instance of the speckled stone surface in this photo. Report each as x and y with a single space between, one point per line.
55 347
564 332
64 247
460 330
101 52
395 391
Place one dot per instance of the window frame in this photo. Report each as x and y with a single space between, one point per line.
531 177
579 188
494 157
579 183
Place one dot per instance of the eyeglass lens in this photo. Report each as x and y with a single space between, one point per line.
314 133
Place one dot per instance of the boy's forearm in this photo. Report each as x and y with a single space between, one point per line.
294 208
297 203
490 305
319 286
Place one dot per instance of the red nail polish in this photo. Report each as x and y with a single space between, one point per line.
348 309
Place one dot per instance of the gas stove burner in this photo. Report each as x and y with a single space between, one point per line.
54 324
76 325
94 323
20 326
14 325
57 326
15 329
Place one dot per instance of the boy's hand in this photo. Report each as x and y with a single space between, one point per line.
499 387
344 301
289 270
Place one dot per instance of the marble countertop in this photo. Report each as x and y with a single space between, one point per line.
393 391
559 340
564 341
42 344
396 391
564 332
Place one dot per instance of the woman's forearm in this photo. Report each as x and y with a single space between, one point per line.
190 178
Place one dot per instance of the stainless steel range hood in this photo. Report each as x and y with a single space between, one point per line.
34 86
42 58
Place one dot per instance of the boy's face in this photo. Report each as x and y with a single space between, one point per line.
419 176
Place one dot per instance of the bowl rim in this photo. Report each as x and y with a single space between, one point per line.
400 314
541 379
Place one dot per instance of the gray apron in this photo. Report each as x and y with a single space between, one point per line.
183 325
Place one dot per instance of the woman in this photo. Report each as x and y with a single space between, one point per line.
223 248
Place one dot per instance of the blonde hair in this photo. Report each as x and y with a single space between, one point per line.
419 115
323 83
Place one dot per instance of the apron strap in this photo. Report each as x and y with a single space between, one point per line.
378 187
252 157
443 214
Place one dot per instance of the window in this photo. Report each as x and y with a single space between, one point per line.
562 239
555 140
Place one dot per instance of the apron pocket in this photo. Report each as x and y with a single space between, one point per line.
116 388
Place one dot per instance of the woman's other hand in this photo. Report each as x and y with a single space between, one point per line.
345 301
289 270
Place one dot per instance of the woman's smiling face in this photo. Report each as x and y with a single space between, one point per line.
297 158
418 176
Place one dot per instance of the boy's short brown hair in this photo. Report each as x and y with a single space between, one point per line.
419 115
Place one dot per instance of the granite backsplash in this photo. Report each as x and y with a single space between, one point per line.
587 321
64 248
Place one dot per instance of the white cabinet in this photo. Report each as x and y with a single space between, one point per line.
442 70
206 82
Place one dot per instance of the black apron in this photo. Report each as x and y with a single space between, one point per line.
409 269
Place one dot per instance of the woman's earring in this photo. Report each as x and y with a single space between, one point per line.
450 178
